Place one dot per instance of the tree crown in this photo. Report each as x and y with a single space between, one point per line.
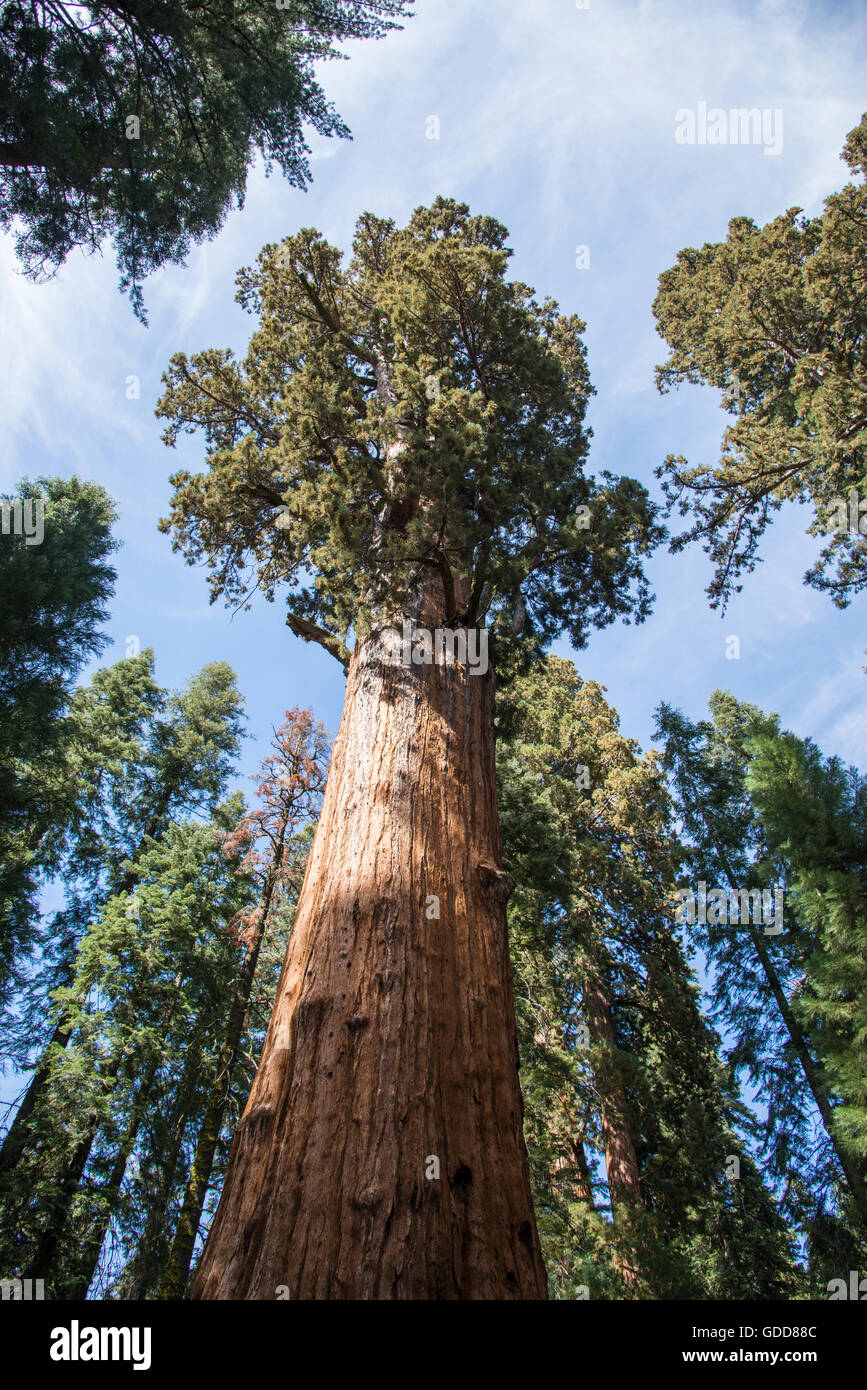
410 417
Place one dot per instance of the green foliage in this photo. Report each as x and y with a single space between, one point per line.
152 979
813 813
138 762
776 317
410 417
55 591
762 808
587 835
169 971
209 84
134 757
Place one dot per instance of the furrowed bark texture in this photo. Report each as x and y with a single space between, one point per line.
392 1041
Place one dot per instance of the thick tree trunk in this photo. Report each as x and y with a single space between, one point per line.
381 1153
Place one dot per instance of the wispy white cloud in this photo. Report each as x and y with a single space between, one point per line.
560 122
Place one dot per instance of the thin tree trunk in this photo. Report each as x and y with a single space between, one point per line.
177 1271
621 1158
16 1137
381 1153
853 1179
92 1248
49 1242
59 1209
141 1277
15 1140
584 1185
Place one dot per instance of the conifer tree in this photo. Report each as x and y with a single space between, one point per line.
140 758
140 121
152 978
813 815
775 316
272 848
56 580
615 1049
758 975
104 737
403 443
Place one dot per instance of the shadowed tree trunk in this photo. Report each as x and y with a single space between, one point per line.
584 1184
381 1153
177 1271
621 1159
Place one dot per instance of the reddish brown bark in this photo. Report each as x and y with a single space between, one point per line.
584 1183
392 1041
621 1159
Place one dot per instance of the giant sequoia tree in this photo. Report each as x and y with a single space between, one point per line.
138 119
403 450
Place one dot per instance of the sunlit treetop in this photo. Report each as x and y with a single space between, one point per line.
409 417
776 316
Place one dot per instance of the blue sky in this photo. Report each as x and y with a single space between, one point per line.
560 122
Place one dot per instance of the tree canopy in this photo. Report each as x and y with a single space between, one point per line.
588 836
56 582
761 807
412 416
776 316
138 119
